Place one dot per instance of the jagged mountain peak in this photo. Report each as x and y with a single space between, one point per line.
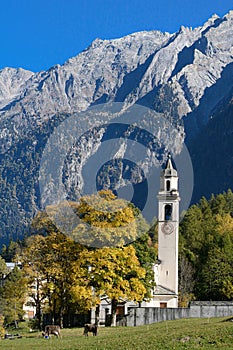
212 20
148 67
12 83
122 46
100 71
229 15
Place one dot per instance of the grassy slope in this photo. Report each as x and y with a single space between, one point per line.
179 334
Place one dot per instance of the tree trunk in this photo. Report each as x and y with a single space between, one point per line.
38 315
113 313
69 317
97 315
54 312
38 305
61 320
15 320
61 316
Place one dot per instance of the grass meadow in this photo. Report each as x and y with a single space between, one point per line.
215 333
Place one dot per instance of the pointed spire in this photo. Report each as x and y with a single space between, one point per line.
169 162
170 169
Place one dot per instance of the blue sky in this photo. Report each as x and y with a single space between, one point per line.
36 35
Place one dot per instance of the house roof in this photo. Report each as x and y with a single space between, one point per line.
160 290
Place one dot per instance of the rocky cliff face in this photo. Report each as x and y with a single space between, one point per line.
185 75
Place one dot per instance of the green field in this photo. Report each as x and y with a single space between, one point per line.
180 334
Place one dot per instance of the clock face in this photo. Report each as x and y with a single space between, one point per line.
167 228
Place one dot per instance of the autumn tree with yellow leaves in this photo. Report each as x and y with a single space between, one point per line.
56 281
98 220
73 277
115 273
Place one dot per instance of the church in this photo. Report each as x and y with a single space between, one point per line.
165 294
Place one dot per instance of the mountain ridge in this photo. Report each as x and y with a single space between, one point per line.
185 76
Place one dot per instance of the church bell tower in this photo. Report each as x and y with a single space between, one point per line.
168 231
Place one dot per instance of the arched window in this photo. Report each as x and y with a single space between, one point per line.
168 212
168 185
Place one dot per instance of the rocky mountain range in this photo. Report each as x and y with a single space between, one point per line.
187 76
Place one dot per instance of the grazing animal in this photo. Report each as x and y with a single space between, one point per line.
52 329
88 327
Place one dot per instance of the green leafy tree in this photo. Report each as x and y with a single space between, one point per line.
8 252
186 281
146 252
216 277
192 232
3 270
2 329
13 296
207 242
